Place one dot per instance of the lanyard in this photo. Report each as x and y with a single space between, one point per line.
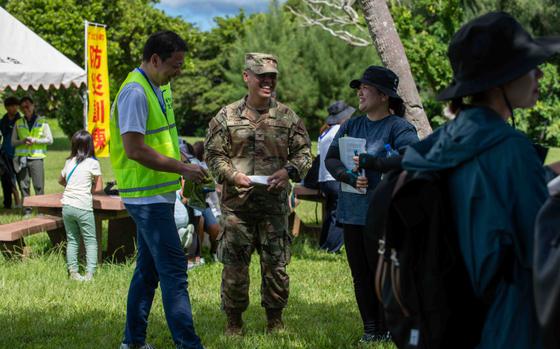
162 105
71 172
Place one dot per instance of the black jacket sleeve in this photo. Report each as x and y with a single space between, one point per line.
337 169
381 164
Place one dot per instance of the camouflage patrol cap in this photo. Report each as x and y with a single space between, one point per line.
261 63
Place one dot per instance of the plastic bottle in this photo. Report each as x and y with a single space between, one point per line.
390 151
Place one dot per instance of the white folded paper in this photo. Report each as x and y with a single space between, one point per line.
259 179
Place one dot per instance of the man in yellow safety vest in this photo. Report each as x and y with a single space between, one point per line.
30 139
145 158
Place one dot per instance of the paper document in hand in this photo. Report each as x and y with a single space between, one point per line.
349 147
259 179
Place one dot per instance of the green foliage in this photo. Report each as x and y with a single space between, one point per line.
315 68
198 92
425 28
542 123
541 17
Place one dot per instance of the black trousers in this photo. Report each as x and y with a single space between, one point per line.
331 233
362 258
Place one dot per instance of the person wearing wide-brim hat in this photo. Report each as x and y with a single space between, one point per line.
381 125
331 238
495 177
339 112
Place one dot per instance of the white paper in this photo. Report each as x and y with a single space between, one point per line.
349 147
259 179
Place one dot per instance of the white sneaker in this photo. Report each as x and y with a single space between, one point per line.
186 236
74 275
88 276
192 265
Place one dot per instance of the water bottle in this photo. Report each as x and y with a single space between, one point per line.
390 151
362 173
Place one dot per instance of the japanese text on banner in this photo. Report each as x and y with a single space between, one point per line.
98 90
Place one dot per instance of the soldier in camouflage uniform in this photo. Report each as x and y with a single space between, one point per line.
256 136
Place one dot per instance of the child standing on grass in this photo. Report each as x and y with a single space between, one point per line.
81 176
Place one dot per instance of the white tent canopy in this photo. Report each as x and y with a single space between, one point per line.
27 61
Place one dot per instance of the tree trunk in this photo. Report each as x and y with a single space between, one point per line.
388 44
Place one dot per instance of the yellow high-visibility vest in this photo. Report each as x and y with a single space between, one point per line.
133 179
34 151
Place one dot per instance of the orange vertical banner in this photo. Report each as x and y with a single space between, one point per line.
98 89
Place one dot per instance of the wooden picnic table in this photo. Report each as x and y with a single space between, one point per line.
121 232
307 194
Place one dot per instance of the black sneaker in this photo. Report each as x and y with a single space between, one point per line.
376 337
132 346
384 337
368 338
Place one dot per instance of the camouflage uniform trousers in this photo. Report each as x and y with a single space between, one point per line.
242 234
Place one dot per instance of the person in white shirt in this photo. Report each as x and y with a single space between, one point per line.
332 237
80 177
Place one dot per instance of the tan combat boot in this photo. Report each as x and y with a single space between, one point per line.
234 326
274 320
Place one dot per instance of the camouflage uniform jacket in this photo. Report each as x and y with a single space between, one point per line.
235 142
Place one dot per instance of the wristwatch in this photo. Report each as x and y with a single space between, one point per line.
292 172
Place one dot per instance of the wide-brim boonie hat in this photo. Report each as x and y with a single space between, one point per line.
381 78
338 111
492 50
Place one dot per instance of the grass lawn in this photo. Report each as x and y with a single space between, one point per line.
41 308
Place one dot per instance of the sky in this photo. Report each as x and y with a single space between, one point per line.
201 12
